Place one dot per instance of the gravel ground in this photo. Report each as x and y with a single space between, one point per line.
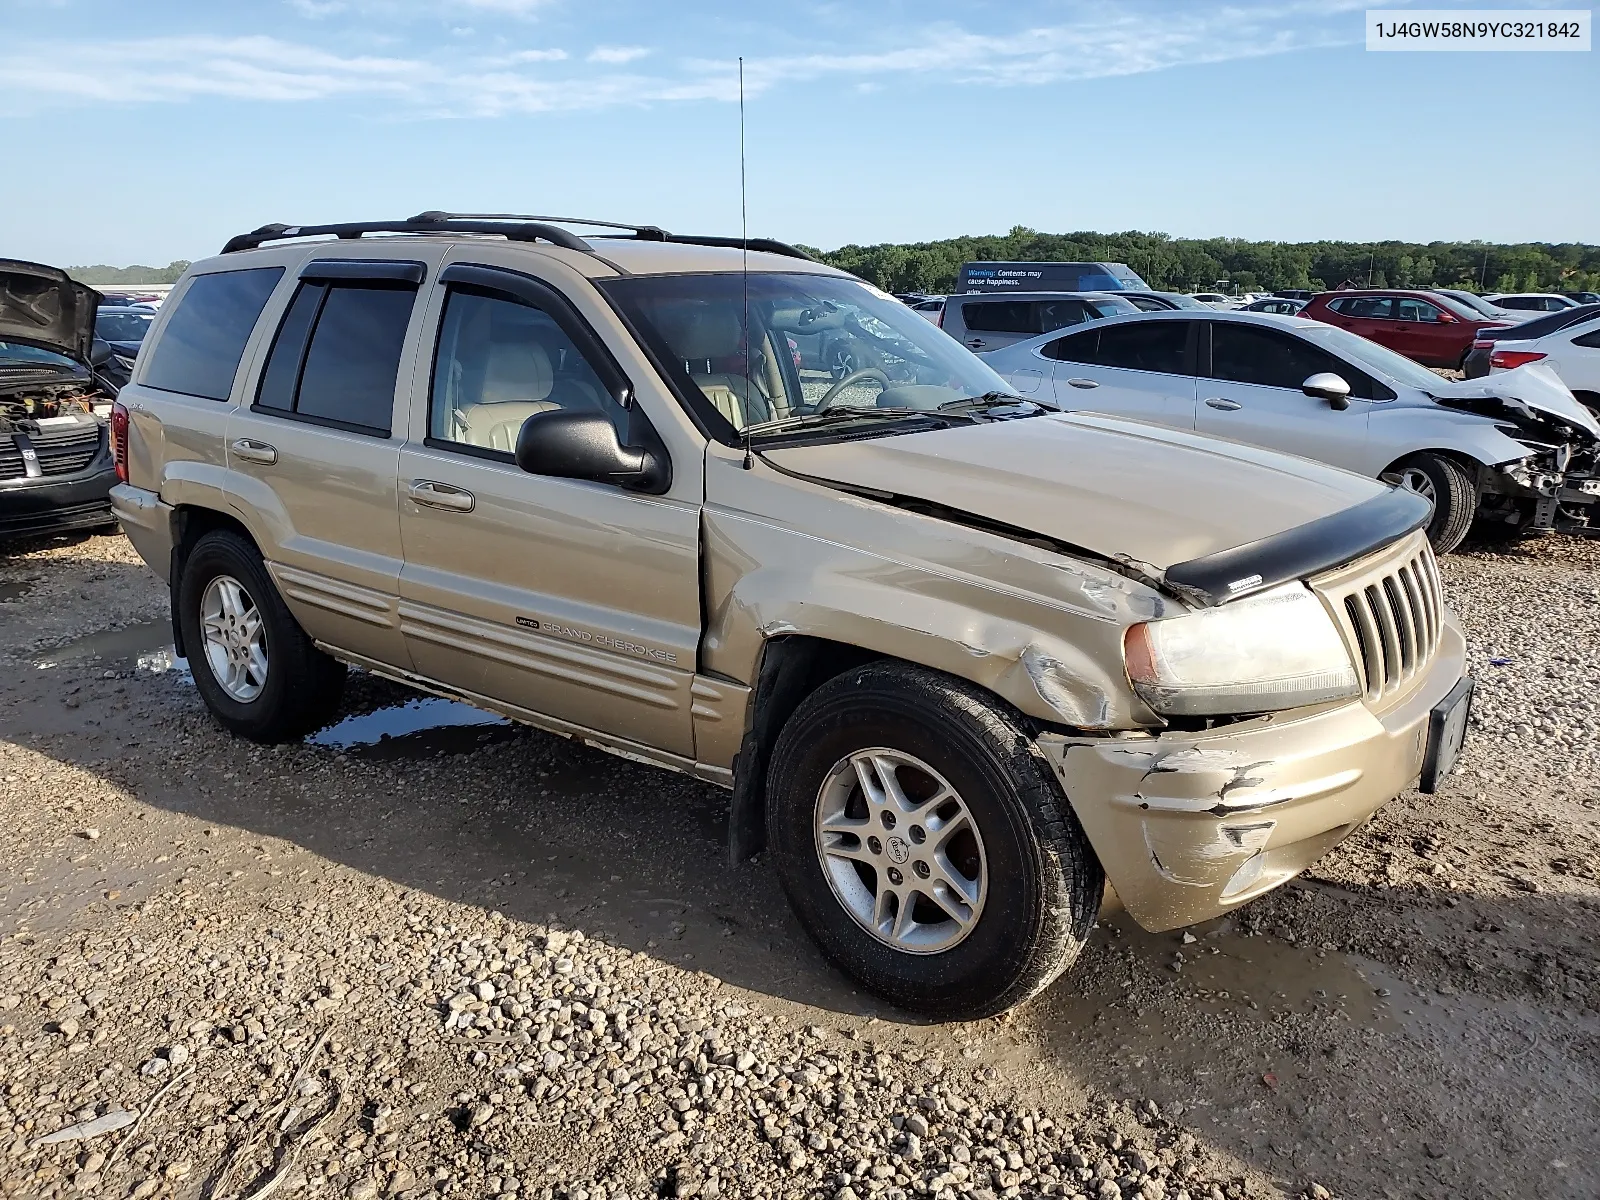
479 960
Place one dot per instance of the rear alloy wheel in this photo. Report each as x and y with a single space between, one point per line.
925 843
1445 484
254 667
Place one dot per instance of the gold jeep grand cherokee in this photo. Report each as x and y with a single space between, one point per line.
960 658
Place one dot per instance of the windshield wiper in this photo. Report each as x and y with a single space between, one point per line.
993 400
846 412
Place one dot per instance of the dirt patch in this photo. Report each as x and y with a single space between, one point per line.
454 903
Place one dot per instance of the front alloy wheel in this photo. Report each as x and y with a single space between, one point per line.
925 843
235 638
901 851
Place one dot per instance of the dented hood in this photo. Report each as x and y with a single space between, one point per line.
40 306
1533 389
1122 489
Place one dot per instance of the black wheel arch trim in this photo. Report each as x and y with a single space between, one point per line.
1308 549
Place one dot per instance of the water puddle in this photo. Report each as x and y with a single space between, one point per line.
145 647
420 728
15 590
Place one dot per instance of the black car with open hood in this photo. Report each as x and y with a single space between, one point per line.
56 468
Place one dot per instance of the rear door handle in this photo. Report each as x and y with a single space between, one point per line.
441 495
253 451
1224 403
1082 383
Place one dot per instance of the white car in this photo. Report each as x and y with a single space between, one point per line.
929 308
1517 451
1478 304
1215 300
1530 301
1572 353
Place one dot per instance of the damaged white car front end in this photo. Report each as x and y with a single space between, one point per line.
1551 480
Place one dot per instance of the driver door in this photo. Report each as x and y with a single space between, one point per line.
575 600
1250 392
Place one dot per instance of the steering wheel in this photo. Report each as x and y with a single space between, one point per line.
854 377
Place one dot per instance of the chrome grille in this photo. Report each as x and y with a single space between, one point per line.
1392 610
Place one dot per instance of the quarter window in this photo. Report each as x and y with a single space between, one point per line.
1592 338
1079 348
336 355
499 362
1247 354
198 351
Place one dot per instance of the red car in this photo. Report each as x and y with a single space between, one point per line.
1434 330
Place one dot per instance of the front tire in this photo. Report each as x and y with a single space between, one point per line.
925 844
254 667
1449 486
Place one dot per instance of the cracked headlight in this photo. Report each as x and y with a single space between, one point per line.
1276 650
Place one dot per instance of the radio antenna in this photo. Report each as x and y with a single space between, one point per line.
744 242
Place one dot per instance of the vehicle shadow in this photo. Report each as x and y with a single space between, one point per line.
1281 1053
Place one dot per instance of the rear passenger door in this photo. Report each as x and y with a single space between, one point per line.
1252 394
573 600
1139 369
314 458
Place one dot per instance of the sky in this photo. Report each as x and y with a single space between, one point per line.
154 131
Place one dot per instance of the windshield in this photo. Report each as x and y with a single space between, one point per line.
819 343
12 353
1379 359
122 326
1472 302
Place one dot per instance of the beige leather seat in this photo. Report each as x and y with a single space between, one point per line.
701 333
516 384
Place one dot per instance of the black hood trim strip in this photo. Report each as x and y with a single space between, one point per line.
1305 550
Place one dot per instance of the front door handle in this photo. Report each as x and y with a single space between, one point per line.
253 451
1224 403
976 344
1082 383
441 495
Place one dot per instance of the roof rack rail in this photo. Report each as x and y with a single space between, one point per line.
517 227
513 230
647 233
652 233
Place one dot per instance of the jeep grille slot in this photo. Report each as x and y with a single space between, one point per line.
1393 616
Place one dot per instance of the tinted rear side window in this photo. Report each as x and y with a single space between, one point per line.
345 376
199 350
1002 316
1144 346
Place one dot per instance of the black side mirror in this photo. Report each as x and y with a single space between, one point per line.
571 444
99 353
1325 385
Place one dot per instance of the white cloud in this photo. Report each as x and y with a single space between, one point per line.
617 54
447 80
531 56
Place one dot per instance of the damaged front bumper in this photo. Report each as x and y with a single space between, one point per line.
1191 825
1552 489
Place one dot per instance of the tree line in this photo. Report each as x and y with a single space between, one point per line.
1175 264
100 273
1199 264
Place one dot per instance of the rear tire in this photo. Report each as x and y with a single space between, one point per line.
275 688
1035 883
1449 485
